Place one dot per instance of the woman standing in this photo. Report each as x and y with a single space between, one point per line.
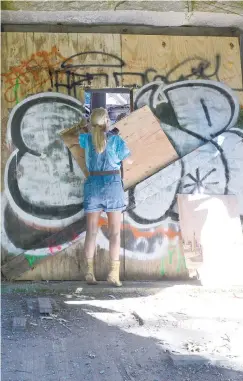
103 190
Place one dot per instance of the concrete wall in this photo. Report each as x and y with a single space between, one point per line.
164 6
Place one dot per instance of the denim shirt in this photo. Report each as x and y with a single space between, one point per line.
116 150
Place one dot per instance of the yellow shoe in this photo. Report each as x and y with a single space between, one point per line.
114 274
89 277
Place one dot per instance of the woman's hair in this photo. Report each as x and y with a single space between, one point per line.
98 130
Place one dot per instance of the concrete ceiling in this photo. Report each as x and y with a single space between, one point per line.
220 14
151 5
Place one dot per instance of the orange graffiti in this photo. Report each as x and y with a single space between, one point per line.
137 233
32 73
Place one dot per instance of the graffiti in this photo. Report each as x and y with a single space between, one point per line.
54 71
198 183
173 251
32 74
41 186
44 195
149 75
16 87
178 107
43 212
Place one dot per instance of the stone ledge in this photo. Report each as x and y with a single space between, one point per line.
145 18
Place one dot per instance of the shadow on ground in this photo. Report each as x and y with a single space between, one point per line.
81 343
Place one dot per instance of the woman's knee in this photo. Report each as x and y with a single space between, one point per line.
114 235
91 231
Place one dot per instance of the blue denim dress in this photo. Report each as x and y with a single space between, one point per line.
104 193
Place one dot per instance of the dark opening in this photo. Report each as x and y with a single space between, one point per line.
118 102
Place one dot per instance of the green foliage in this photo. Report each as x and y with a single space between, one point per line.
8 6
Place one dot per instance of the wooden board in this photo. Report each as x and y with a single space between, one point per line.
176 56
172 58
211 231
33 63
15 267
40 61
149 146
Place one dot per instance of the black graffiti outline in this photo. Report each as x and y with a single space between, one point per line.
46 212
71 66
73 83
198 72
131 199
88 77
197 181
155 86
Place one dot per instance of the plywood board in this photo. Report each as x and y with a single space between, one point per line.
172 58
211 231
59 62
150 148
153 253
37 62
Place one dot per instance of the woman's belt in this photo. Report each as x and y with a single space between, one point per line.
104 173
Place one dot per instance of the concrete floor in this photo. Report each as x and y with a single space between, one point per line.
143 332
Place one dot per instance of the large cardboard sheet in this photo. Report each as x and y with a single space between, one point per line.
149 146
211 233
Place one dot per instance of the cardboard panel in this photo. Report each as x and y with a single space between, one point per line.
150 147
211 232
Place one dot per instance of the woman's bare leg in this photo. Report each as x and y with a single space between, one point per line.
114 227
90 243
92 224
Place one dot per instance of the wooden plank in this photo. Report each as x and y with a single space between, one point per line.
66 265
173 57
211 231
150 147
14 268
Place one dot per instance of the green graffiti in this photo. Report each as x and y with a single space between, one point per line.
33 258
162 267
181 263
172 251
16 87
